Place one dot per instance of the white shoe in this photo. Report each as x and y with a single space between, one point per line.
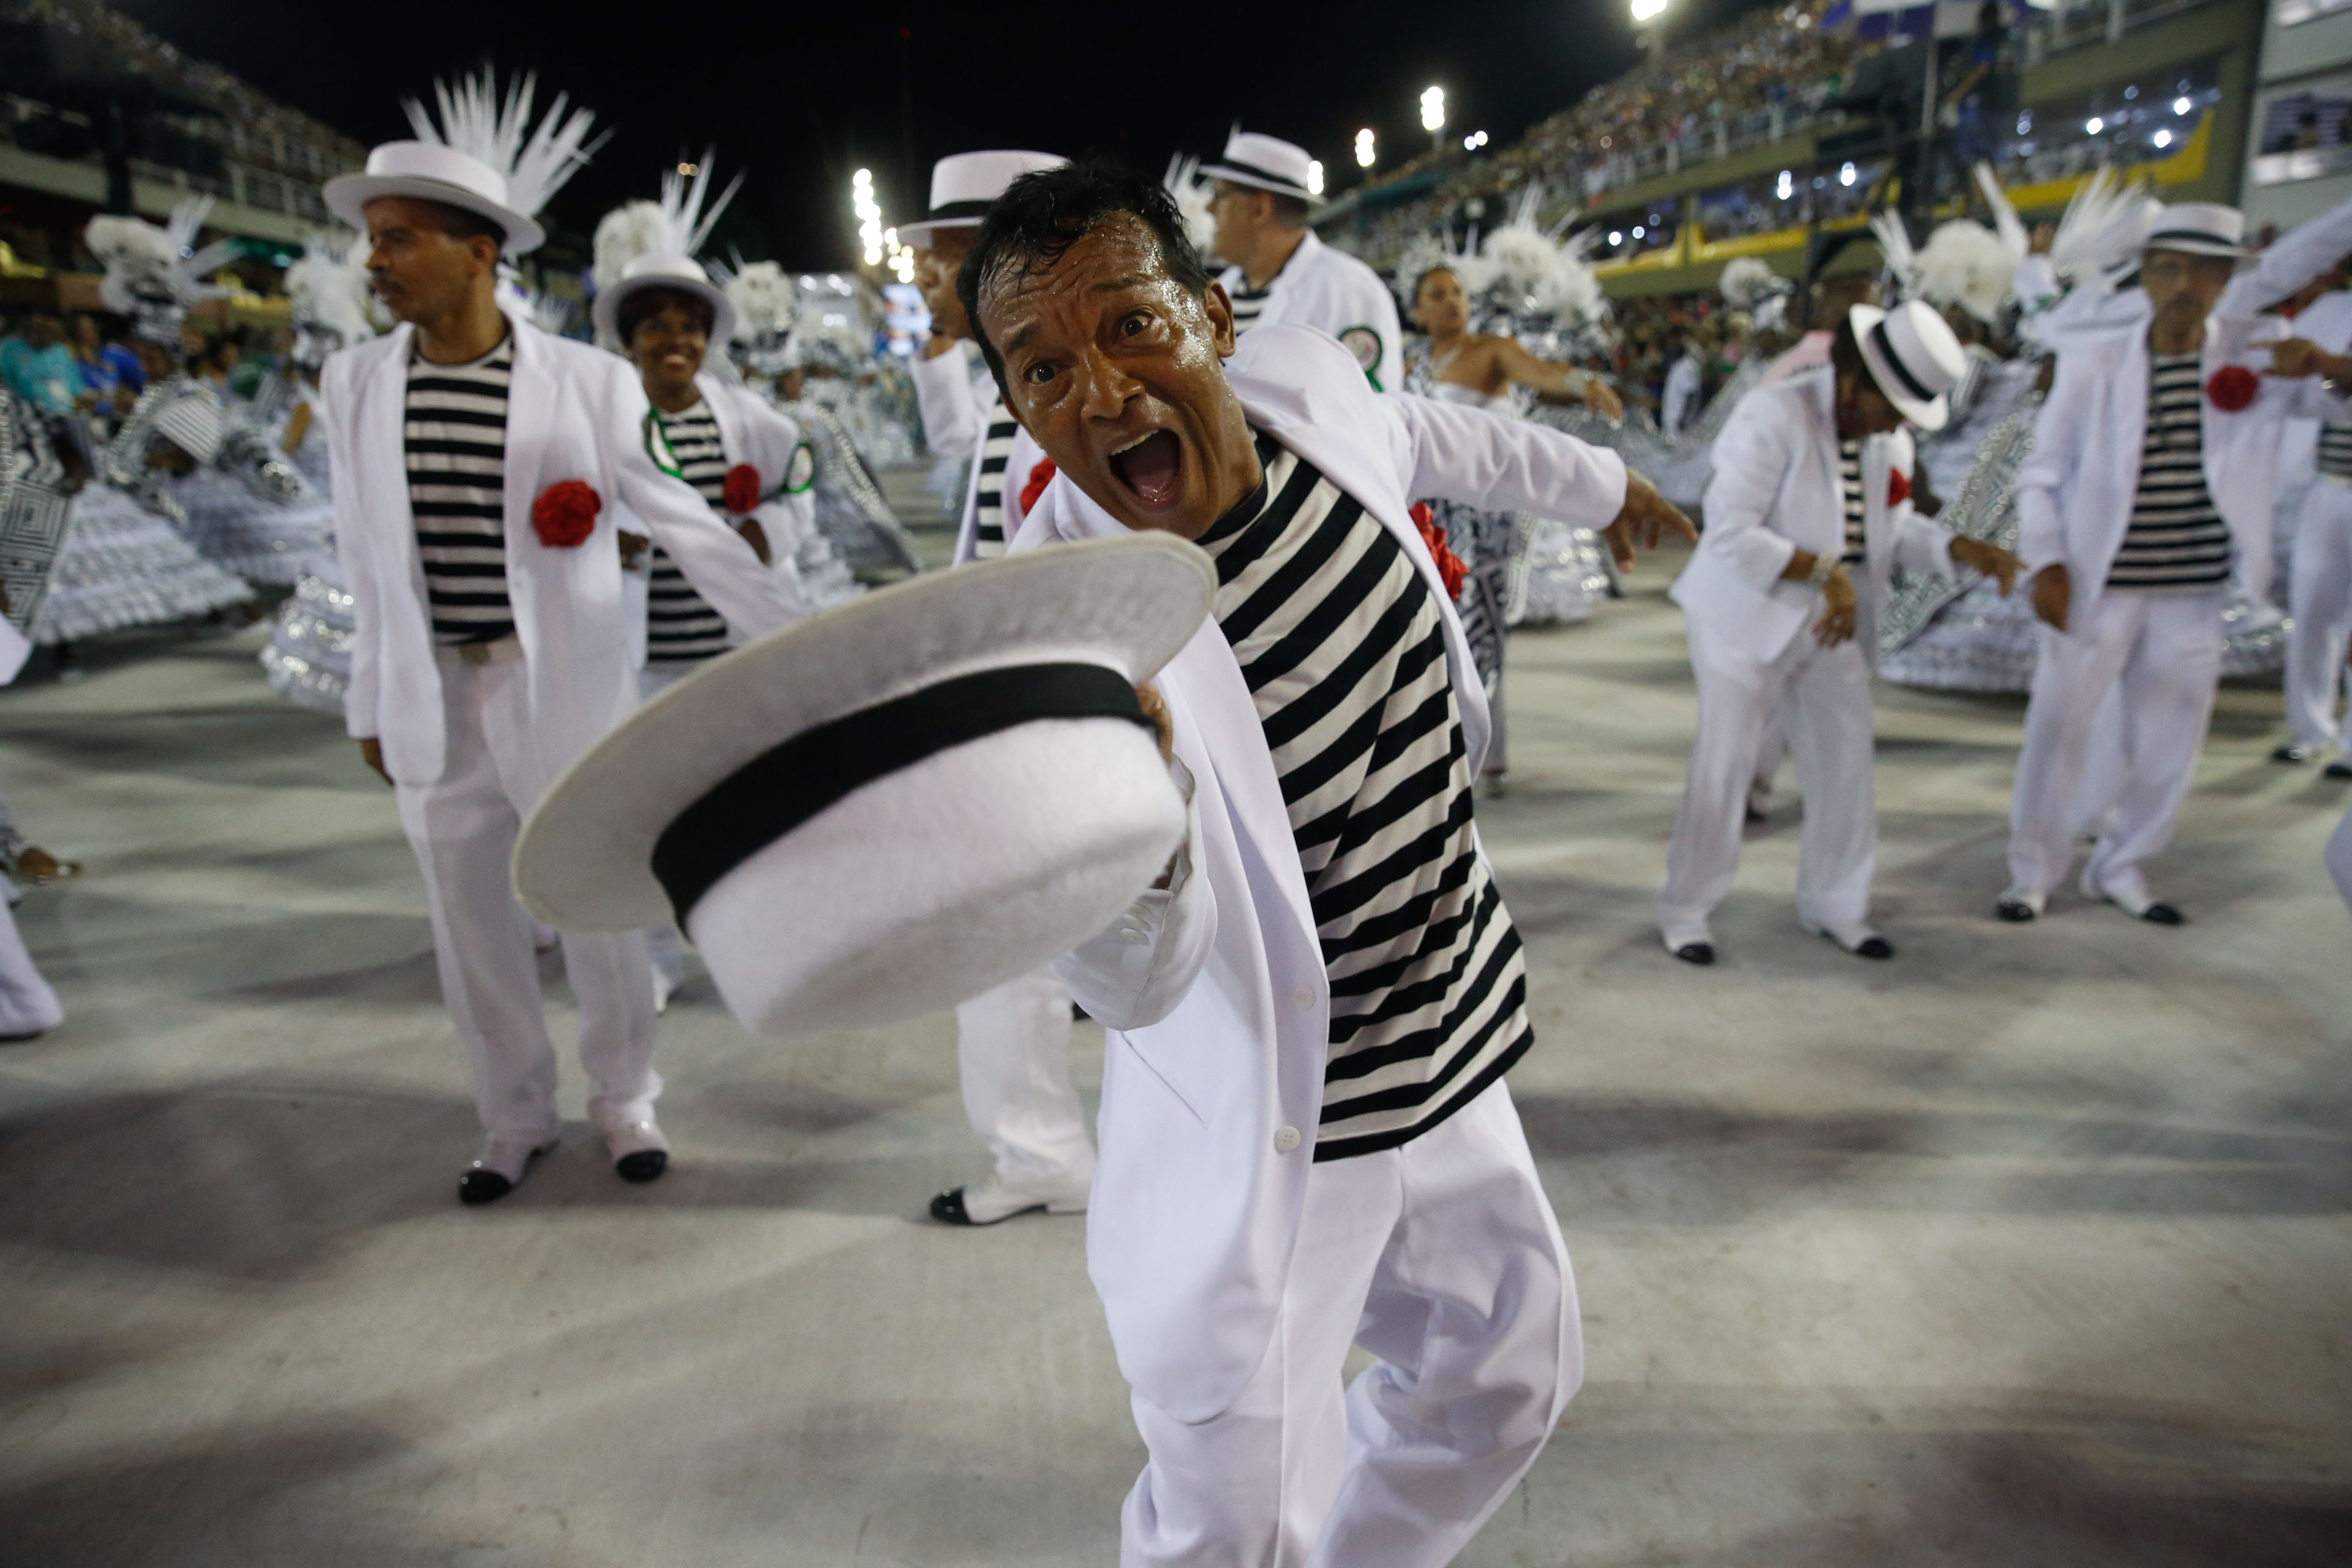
640 1152
995 1199
500 1168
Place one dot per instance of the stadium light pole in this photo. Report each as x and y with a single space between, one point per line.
1433 115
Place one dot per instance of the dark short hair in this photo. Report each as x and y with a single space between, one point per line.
1034 224
462 224
1845 351
651 301
1290 212
1429 272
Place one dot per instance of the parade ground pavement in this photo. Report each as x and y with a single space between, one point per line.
2028 1247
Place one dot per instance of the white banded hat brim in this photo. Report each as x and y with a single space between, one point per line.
2190 243
921 232
1924 407
347 196
606 311
1241 175
585 858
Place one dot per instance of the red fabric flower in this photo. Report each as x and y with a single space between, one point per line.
1039 478
1899 486
2232 387
565 515
1450 567
742 489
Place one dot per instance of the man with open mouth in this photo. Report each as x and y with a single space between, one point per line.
1305 1140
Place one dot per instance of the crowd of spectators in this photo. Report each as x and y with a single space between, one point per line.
86 364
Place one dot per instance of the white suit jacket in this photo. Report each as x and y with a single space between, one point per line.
754 431
1775 491
2075 492
572 413
1213 990
955 402
1332 292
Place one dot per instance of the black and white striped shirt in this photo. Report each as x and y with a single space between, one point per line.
1247 304
454 434
680 625
1342 645
2336 449
988 495
1850 487
2176 537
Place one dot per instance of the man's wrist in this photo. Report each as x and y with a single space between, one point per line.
1825 567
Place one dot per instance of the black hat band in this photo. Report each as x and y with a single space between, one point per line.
1243 166
796 779
1886 347
947 212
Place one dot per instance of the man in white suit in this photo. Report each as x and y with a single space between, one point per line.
1807 515
1305 1139
1012 1044
474 459
1280 271
2154 467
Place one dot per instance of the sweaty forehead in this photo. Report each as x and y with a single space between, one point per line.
1118 254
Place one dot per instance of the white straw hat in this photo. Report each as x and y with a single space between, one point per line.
964 183
897 804
427 171
1267 163
1914 356
683 273
2199 228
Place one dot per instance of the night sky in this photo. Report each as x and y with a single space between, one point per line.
802 96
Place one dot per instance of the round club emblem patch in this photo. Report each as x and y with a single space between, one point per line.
800 472
1364 342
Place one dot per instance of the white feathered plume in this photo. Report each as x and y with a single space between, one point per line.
1966 264
1895 249
765 299
628 231
2106 223
327 288
1192 195
478 121
1749 284
154 275
2005 221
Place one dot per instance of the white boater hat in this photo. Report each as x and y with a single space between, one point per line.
432 173
2199 228
1914 357
895 804
964 183
661 242
482 155
1267 163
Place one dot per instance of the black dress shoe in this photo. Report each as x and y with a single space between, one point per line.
2338 769
2290 752
948 1208
476 1188
1699 952
1873 947
645 1165
2015 912
2160 913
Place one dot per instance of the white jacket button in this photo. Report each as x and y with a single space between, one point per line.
1131 936
1286 1141
1303 997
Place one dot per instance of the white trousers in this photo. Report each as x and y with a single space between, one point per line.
2321 602
663 949
2163 652
2339 858
1013 1054
27 1005
1441 1257
1823 696
463 829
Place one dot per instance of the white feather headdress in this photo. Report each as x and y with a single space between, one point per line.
677 224
1895 249
152 275
2105 224
765 299
1192 195
1966 264
327 288
478 121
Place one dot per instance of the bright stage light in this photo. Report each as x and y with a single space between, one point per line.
1648 10
1364 148
1432 109
1314 176
2095 125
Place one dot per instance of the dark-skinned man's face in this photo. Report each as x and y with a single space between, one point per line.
936 266
1116 369
1864 410
419 269
2183 286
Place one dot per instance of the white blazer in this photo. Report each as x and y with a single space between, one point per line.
1332 292
752 430
572 413
955 398
1213 990
1774 492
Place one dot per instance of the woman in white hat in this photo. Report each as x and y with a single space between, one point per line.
484 462
1807 517
2151 485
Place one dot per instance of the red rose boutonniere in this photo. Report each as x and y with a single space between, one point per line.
565 515
1450 567
2232 387
1039 478
742 489
1899 486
